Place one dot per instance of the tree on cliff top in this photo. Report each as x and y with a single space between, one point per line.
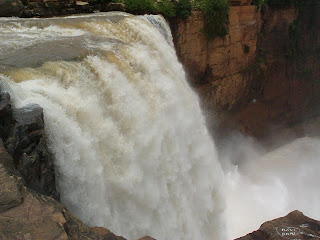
216 15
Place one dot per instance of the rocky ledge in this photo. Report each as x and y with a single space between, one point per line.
50 8
25 214
22 134
294 226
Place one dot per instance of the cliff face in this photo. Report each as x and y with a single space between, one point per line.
212 62
247 79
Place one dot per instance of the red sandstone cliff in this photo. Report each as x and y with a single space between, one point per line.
247 79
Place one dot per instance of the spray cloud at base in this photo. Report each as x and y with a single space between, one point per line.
263 185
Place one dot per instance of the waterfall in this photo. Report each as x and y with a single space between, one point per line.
132 152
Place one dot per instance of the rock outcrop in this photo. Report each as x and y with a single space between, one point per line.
115 7
22 131
9 8
293 226
25 214
221 59
49 8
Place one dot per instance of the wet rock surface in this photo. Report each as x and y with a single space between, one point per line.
22 131
293 226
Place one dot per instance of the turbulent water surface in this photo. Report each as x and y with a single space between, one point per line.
132 152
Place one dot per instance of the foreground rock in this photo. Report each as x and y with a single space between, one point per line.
40 217
294 226
22 131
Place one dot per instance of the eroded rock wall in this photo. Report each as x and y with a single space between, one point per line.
216 67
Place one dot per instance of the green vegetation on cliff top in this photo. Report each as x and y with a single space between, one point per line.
216 15
216 12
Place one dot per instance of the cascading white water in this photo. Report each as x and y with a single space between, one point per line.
132 150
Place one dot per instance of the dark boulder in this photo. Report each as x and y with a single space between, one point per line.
22 131
115 7
27 130
5 114
26 143
83 7
5 105
9 8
